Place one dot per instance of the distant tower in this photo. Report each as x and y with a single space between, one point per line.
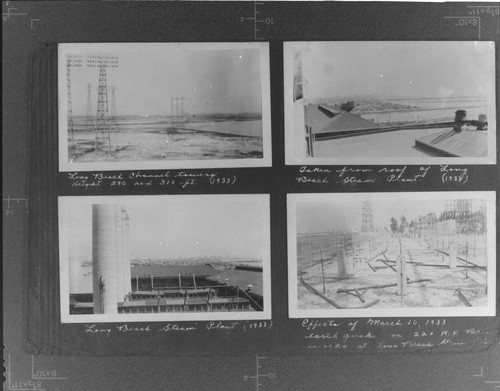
367 217
464 206
71 61
182 105
90 117
102 122
179 109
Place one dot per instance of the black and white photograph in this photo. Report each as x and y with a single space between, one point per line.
392 254
163 105
407 102
164 258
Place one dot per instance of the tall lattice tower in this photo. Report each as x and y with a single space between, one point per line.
113 118
103 134
367 217
182 105
90 116
71 61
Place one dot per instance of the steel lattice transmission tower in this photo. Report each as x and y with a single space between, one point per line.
367 217
71 61
181 98
113 118
90 117
103 134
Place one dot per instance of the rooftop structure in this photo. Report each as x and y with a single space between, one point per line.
324 118
242 279
172 270
452 143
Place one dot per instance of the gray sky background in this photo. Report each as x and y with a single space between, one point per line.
399 69
216 80
345 215
181 227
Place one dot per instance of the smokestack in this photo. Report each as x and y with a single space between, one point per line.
104 259
127 277
119 254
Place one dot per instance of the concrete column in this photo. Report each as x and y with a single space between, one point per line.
104 259
401 273
119 254
127 276
341 264
452 258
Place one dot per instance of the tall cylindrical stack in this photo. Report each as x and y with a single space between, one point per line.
119 251
127 283
104 259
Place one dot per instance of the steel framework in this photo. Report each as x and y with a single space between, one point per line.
103 134
71 61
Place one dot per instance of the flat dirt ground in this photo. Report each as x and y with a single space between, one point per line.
143 143
440 291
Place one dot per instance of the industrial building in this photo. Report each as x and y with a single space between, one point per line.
120 287
185 288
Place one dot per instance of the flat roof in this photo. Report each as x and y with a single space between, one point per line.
172 270
241 279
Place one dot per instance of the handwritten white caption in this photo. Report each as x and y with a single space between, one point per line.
364 175
180 179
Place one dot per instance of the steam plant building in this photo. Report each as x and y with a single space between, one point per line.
119 287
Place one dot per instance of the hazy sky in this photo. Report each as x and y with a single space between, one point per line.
345 215
181 227
399 69
210 80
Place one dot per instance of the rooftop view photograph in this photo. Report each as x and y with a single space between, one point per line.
406 101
